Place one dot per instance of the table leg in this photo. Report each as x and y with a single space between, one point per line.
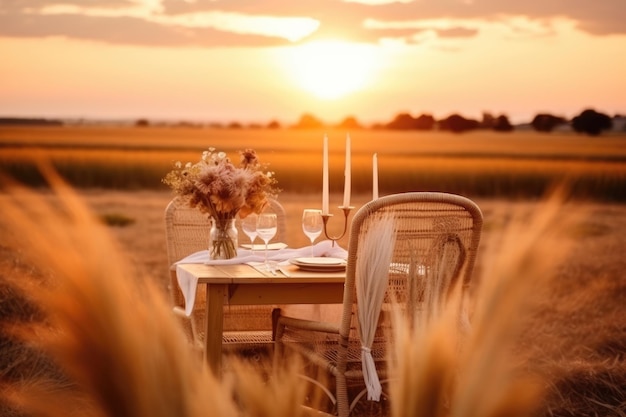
214 325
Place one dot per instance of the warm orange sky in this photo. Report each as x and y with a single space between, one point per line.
257 60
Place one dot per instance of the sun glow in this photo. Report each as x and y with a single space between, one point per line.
332 69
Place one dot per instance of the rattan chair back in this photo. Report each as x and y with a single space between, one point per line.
428 247
187 232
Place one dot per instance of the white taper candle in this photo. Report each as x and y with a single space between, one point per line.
375 177
348 175
325 178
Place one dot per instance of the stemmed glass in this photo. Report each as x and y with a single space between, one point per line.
248 225
266 226
312 224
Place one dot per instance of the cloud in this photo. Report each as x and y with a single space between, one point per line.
257 23
128 30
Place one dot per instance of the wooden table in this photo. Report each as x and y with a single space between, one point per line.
245 285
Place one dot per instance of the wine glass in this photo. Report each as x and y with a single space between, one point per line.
266 229
248 225
312 224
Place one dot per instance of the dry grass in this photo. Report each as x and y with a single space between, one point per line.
108 335
548 319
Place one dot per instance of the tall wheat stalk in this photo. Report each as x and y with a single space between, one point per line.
121 353
111 332
441 371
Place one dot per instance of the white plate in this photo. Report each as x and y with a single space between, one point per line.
320 261
261 246
319 264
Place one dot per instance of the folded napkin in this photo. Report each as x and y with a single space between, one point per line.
189 284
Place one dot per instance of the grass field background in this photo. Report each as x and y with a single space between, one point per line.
521 164
574 334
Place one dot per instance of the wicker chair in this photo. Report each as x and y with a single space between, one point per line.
187 232
406 251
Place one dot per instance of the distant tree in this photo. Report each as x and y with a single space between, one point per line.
403 121
488 121
502 124
424 122
274 124
619 123
234 125
457 124
592 122
142 123
349 123
544 122
308 121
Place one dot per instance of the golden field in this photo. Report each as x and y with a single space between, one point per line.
481 163
572 328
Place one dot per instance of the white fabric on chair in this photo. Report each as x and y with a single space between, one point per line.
372 272
188 284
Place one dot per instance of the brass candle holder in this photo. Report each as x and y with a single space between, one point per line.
326 217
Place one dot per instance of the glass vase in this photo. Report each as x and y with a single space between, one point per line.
223 239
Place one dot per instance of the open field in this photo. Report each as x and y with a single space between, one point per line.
574 334
480 164
576 331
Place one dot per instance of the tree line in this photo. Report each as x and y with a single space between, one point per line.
589 121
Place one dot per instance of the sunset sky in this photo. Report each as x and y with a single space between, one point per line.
262 60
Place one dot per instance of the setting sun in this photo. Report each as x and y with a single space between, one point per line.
332 69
